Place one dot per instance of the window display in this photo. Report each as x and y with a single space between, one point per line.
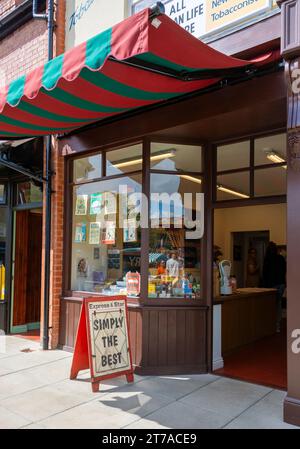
174 259
106 235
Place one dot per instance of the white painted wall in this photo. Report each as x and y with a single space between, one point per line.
86 18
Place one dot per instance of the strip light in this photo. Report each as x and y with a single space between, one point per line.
232 192
191 178
155 157
275 157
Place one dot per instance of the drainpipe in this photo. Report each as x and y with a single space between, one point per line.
48 175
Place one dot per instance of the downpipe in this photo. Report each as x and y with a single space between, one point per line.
49 16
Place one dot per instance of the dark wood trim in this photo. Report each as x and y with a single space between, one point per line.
207 246
105 178
256 201
258 135
145 232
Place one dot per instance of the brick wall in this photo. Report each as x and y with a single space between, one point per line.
23 51
6 6
20 53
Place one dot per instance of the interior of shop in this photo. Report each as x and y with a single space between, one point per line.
250 288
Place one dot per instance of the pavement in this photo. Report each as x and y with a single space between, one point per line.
36 393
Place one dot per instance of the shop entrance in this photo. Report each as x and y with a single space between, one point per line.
250 298
26 271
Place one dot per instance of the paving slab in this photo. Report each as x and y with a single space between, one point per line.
265 414
92 415
175 386
226 396
10 420
178 415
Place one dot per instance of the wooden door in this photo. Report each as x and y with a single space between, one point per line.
27 268
33 300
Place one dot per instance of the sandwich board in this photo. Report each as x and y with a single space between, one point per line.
102 342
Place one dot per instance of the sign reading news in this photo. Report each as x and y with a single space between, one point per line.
205 17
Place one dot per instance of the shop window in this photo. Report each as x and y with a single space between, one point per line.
87 168
2 193
172 157
106 238
174 253
271 150
233 156
28 192
3 216
233 186
123 161
270 181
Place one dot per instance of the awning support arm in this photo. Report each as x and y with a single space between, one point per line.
20 169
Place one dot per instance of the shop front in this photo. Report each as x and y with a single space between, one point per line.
150 195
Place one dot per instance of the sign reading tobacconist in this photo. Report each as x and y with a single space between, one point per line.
102 342
205 17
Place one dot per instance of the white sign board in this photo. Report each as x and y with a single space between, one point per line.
109 337
205 17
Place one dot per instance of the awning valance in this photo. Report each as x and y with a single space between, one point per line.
141 61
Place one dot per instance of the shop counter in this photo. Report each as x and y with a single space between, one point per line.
247 315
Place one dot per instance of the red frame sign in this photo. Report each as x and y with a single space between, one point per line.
133 283
102 340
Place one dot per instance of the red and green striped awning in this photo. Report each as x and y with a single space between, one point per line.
141 61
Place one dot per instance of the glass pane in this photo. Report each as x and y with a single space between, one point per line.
2 193
176 157
106 239
27 192
2 251
175 236
270 150
233 186
235 155
125 160
87 168
270 181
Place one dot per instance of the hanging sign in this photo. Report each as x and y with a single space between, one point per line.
102 341
133 283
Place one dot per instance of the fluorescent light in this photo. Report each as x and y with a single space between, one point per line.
232 192
155 157
273 156
191 178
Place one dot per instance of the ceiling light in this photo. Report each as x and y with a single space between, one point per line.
275 157
155 157
232 192
192 178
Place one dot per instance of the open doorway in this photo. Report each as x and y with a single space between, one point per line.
252 346
244 243
26 271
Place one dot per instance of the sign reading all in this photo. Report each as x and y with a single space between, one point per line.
102 342
204 17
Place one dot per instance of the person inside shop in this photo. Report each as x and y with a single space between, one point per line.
253 272
161 269
173 266
274 276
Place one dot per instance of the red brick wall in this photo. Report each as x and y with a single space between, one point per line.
21 52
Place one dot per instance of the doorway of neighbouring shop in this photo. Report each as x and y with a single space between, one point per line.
26 271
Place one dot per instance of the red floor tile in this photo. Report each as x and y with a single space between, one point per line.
263 362
33 335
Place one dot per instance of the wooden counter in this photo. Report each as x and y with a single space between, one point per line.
247 316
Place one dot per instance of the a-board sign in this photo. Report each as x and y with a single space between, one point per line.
102 341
